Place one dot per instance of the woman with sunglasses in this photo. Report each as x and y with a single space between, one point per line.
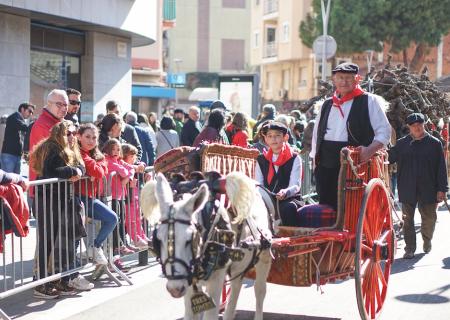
58 214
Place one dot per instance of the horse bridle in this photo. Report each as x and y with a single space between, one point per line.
171 258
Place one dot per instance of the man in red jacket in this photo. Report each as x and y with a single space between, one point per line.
53 113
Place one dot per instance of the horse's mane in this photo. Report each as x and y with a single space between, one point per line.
241 190
149 203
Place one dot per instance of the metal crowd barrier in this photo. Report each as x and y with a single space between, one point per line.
51 250
308 188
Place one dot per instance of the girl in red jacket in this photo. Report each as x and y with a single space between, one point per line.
96 168
237 130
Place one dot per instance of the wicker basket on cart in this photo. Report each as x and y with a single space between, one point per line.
182 160
225 159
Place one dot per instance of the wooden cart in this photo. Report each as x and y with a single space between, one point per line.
360 244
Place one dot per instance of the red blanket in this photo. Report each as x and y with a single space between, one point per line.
15 211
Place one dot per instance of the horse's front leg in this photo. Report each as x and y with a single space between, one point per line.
214 287
262 271
230 309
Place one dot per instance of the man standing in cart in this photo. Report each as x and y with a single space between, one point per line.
352 117
422 180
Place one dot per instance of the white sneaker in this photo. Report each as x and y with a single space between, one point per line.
99 256
80 283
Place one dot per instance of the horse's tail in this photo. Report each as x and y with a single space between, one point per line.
149 202
240 190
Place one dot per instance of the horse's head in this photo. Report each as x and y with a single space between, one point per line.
177 235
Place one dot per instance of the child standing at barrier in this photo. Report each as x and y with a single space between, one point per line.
96 168
133 220
120 174
58 212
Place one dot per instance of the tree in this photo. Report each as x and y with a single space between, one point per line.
359 25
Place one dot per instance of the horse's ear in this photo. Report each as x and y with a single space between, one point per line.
163 191
198 200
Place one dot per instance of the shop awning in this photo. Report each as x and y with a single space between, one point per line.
153 92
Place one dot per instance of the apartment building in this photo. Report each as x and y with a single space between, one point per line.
286 66
210 37
150 90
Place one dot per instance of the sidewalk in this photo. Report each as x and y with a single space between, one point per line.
25 306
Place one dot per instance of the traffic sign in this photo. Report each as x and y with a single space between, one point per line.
331 46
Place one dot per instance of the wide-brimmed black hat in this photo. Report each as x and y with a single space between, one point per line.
346 67
415 118
275 125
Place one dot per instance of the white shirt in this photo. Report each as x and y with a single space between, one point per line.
337 126
295 179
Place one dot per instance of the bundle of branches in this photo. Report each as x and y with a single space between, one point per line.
405 92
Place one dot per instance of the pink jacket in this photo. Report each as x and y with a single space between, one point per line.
122 170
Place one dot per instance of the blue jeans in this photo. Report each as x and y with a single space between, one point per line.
10 163
99 211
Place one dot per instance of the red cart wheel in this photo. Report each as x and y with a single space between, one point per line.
374 250
225 295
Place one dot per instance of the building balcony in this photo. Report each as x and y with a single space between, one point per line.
270 50
270 10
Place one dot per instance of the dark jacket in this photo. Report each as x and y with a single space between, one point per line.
148 151
16 127
189 133
421 169
210 135
74 118
131 137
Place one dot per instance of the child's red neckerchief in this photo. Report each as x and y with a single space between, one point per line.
283 157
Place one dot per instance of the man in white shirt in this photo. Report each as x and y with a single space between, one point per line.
352 117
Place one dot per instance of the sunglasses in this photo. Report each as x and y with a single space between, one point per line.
71 133
30 111
75 102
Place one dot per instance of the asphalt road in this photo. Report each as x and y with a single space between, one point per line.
418 289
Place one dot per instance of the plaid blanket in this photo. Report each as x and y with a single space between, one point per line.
316 215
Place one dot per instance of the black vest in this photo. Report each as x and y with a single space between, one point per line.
359 128
281 178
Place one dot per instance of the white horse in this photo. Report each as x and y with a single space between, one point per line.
177 252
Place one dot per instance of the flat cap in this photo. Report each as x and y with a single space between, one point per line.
346 67
275 125
415 118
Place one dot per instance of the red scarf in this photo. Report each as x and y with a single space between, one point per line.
283 157
337 102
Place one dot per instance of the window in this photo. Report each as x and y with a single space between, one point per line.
239 4
256 39
302 77
233 54
285 32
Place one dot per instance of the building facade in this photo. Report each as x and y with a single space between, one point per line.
150 90
286 66
211 37
81 44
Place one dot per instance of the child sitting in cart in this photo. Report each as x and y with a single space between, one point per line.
279 170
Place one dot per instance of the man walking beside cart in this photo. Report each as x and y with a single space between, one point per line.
422 180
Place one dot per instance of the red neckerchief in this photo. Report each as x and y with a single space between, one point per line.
337 102
283 157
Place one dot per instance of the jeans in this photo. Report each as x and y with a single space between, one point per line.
10 163
97 210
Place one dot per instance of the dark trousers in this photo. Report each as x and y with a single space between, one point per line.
289 212
327 185
428 215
